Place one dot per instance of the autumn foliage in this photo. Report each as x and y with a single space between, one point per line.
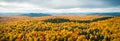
34 29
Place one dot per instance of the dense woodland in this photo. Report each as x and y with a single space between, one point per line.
61 29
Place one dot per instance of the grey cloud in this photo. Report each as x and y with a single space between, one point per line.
112 2
62 4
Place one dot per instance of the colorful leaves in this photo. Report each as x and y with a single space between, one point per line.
35 30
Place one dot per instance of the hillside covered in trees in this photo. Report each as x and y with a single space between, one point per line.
60 28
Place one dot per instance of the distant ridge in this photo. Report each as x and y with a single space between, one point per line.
36 14
106 14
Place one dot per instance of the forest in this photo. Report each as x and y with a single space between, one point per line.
62 28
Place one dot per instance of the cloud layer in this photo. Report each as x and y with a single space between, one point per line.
60 5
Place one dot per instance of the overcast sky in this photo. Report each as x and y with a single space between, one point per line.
60 5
